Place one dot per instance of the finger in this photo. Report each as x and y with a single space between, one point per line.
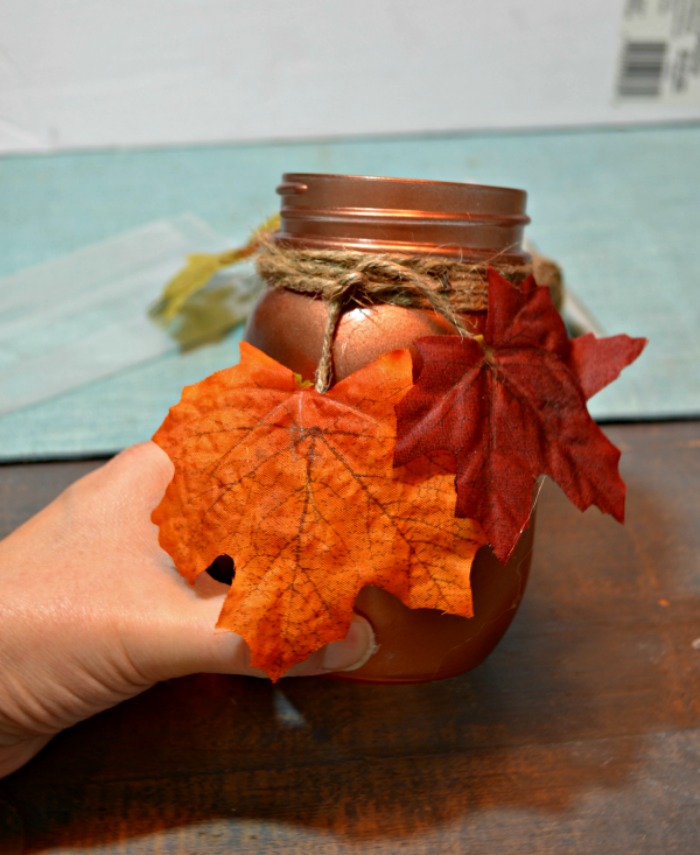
199 647
358 646
133 481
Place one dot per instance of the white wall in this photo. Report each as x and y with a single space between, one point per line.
93 73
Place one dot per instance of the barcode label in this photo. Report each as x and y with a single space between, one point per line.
642 69
659 57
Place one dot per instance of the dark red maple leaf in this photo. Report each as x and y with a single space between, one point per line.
511 406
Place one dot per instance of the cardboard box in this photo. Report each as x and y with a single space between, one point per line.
78 74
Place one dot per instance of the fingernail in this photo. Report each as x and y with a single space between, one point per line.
354 650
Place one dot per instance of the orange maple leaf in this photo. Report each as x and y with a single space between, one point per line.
299 489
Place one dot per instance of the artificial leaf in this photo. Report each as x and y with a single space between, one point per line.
510 406
598 361
200 268
300 490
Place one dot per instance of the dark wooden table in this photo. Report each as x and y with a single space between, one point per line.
581 734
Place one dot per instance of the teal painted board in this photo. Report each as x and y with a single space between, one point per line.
618 209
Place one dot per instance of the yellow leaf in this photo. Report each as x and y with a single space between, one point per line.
200 268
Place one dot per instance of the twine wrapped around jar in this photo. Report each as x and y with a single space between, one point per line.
350 278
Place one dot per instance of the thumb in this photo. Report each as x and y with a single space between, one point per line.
349 654
200 648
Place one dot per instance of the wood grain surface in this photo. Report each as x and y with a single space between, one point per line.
581 733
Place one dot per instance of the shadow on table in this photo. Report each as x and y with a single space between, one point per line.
559 709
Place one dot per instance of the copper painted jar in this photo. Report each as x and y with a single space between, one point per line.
477 224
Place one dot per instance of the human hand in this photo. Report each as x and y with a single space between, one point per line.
93 612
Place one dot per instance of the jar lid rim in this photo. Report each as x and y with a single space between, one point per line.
391 179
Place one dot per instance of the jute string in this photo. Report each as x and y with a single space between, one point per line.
346 278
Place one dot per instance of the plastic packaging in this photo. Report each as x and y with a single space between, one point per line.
84 316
